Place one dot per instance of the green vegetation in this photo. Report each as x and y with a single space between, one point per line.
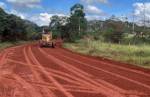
113 38
70 28
15 31
4 45
114 30
13 28
134 54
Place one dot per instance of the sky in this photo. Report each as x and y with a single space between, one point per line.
40 11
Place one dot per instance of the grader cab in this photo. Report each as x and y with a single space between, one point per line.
47 39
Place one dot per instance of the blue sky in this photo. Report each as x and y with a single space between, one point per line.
39 11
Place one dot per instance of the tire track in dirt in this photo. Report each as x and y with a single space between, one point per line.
3 60
119 89
96 86
140 80
44 90
17 54
71 75
59 86
97 94
88 95
9 87
51 86
18 79
62 76
114 74
68 87
56 73
1 54
82 72
3 57
28 87
64 51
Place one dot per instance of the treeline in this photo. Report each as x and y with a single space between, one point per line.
113 29
13 28
72 27
118 31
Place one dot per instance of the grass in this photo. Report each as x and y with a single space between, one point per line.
4 45
133 54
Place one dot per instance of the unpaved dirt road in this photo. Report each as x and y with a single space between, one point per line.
31 71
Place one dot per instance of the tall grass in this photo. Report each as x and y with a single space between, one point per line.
4 45
134 54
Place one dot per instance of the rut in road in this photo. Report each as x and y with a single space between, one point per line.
31 71
58 73
114 74
133 76
93 86
96 86
6 88
125 67
50 77
44 90
92 60
135 82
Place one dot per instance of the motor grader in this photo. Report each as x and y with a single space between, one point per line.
47 39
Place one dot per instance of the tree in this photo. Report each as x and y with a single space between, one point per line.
2 22
77 20
54 22
32 30
69 27
114 31
13 28
58 24
95 25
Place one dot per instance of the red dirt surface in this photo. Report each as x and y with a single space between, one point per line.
31 71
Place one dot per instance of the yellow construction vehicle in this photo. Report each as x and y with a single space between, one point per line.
47 39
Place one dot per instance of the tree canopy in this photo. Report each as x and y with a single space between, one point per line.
13 28
70 27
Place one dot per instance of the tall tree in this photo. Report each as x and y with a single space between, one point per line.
13 28
57 25
114 31
2 22
78 22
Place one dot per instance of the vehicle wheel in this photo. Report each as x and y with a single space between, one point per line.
53 45
41 45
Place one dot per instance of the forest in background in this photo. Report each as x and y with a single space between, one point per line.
113 29
13 28
113 38
74 27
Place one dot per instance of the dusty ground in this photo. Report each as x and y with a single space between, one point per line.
31 71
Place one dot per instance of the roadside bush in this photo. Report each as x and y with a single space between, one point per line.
114 32
113 36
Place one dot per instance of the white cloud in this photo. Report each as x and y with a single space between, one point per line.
95 1
25 3
2 5
93 10
95 17
141 10
94 13
21 15
43 18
